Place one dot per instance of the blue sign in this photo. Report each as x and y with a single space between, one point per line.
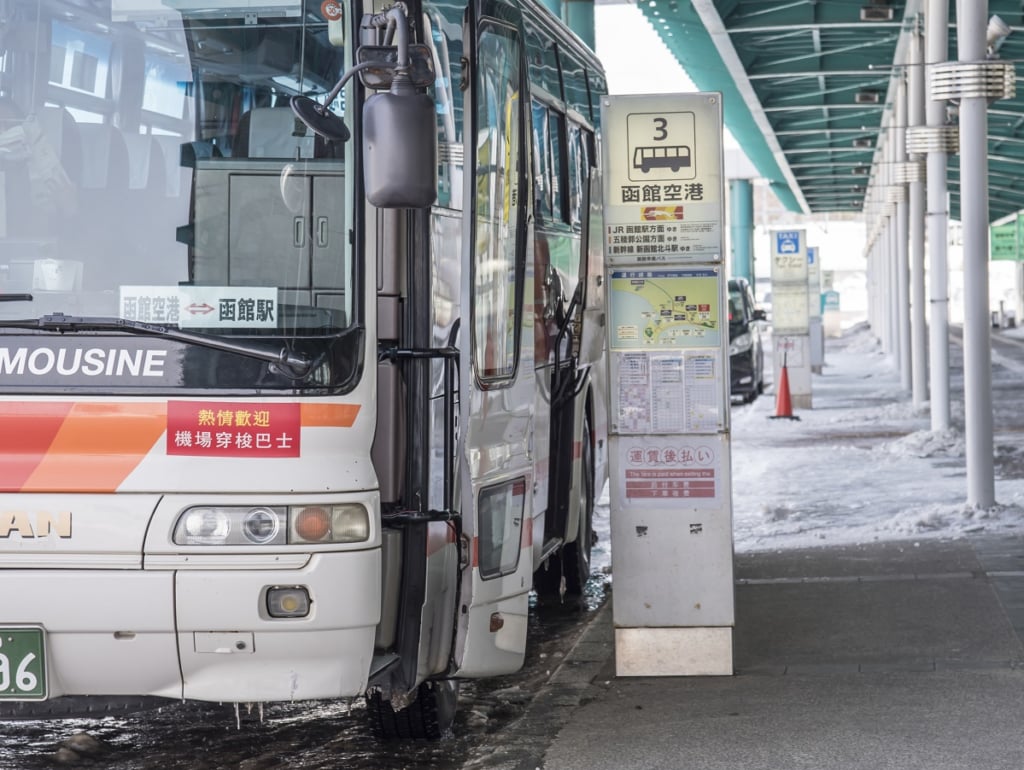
787 241
812 253
830 301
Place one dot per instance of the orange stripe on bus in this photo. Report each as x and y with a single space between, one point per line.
329 415
526 540
97 446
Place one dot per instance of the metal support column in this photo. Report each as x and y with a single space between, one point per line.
892 255
555 6
972 18
916 195
579 16
936 46
741 228
898 193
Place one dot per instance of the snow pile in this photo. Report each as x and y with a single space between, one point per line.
928 443
862 465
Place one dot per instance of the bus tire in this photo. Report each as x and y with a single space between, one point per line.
572 561
428 718
576 555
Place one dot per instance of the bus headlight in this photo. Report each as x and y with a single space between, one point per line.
261 525
348 523
272 525
203 526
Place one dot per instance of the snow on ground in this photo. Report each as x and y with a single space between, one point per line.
862 465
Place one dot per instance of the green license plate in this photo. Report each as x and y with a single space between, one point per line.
22 664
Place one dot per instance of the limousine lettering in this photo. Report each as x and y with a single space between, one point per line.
91 362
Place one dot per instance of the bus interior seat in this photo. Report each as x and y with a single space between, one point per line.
104 157
174 172
272 132
106 211
61 131
146 170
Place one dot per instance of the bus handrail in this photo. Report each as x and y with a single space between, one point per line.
449 355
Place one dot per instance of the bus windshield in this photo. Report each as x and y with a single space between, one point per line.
152 170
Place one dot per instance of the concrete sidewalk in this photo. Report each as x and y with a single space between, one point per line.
889 655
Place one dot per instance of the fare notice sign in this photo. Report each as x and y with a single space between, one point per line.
663 178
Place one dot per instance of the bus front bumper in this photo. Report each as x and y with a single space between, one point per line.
197 633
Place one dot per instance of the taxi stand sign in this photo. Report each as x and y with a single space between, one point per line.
668 341
790 312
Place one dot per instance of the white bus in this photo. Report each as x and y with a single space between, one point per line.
287 413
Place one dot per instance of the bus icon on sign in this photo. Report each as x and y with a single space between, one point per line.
674 158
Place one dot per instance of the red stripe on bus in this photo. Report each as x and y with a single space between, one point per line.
64 446
28 430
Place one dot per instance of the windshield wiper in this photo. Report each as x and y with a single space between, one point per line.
8 297
298 365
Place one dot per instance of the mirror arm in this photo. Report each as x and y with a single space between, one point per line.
397 29
394 20
341 83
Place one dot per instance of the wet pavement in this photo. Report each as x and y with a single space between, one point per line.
318 736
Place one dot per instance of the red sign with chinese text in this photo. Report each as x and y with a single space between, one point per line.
233 429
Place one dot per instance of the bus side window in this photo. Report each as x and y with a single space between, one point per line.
556 130
498 262
444 37
578 173
542 172
549 164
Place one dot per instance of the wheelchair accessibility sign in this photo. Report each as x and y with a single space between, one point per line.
661 146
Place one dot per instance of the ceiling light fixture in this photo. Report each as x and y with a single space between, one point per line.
876 10
995 34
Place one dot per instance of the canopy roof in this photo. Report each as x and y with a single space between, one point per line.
808 89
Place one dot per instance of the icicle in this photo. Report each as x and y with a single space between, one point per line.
238 717
261 712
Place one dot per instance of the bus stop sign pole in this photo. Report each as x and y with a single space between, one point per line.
670 489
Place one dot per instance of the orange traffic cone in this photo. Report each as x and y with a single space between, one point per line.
783 403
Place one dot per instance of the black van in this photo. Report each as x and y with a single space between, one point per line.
746 352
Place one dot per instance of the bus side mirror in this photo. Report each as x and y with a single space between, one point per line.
400 150
399 126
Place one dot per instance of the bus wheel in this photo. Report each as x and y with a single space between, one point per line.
572 562
576 555
428 718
